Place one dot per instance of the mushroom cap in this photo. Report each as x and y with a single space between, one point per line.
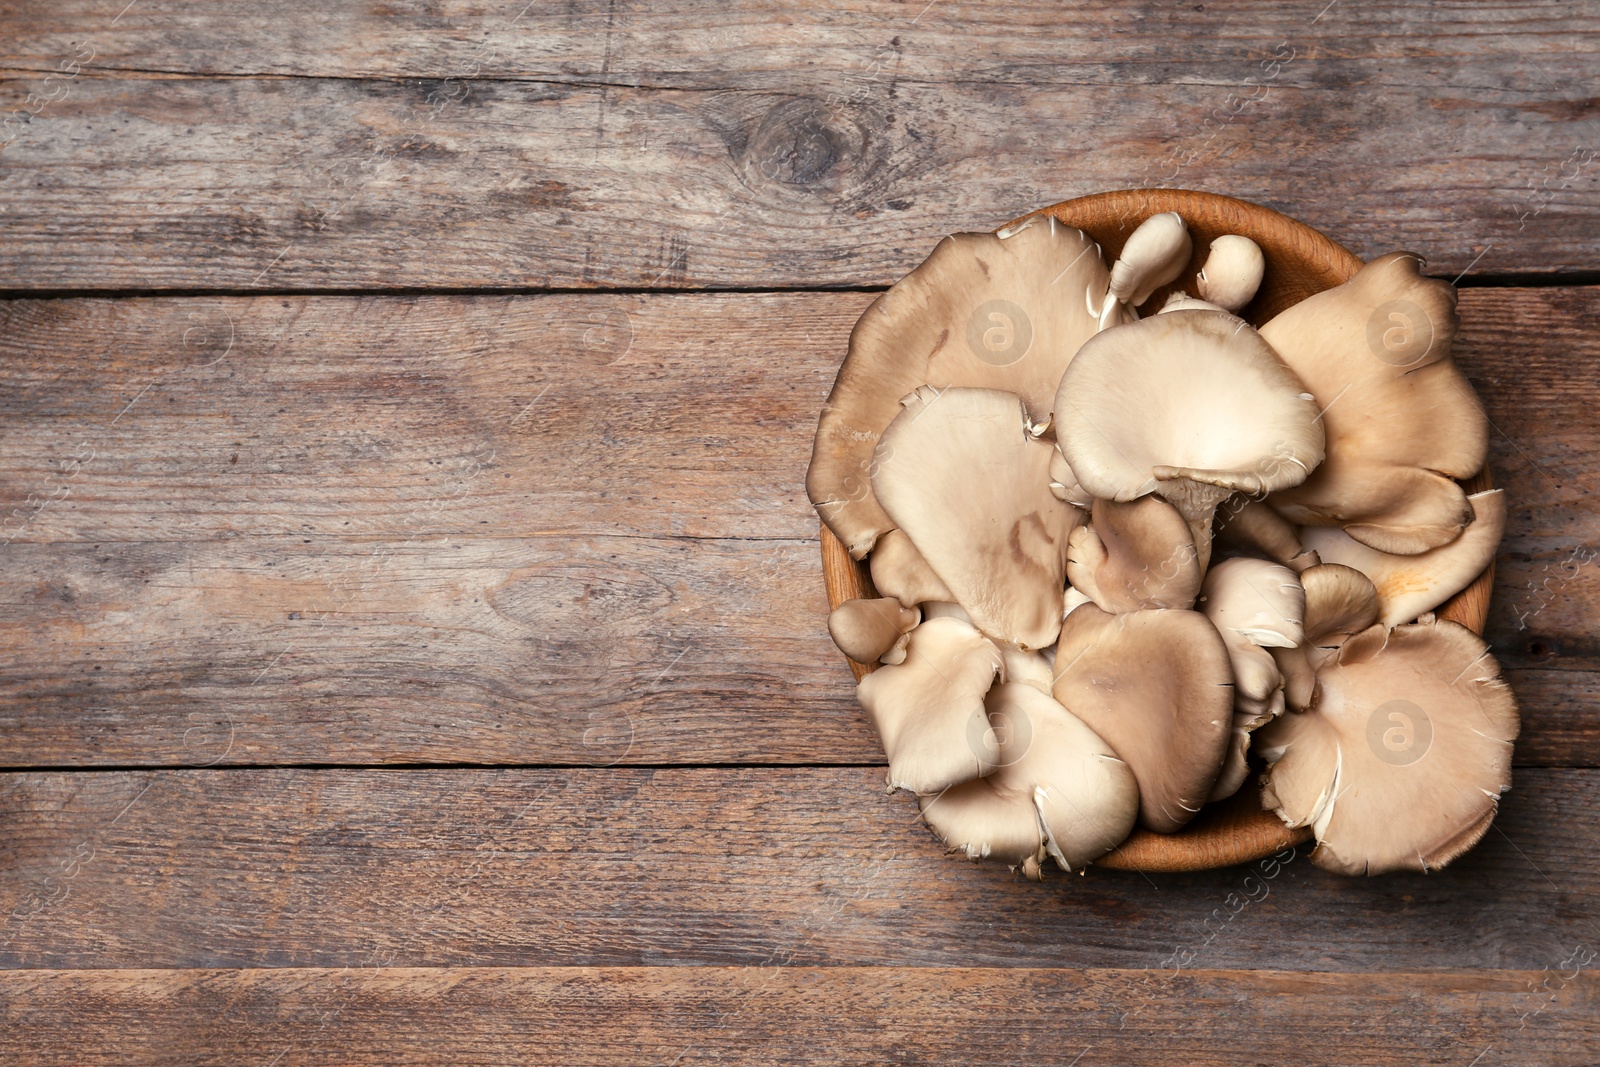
1340 602
865 629
1232 272
961 474
1182 301
898 570
1155 253
1401 760
1410 586
1402 420
1157 686
1057 788
983 310
1257 599
1064 484
1193 396
1134 556
929 709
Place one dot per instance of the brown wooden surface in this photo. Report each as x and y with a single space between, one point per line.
829 1016
559 540
764 144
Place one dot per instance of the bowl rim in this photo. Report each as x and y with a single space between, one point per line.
1235 830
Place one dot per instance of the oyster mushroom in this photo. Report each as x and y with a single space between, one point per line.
898 570
1135 555
984 310
1156 685
1232 272
1193 406
1402 420
1339 602
865 629
929 709
1400 762
1182 301
1410 586
1250 527
1155 253
962 475
1056 789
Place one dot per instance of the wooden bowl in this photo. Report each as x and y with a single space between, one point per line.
1300 262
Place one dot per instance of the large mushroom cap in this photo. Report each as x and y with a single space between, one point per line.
929 708
1401 760
1411 586
1192 405
984 311
1057 789
1156 685
1402 420
962 475
1135 555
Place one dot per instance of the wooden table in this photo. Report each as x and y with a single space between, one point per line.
414 634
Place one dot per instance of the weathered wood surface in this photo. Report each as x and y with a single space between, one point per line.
758 144
802 1015
561 529
707 866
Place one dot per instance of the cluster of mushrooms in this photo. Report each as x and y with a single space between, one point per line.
1121 560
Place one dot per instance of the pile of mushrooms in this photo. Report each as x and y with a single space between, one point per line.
1126 554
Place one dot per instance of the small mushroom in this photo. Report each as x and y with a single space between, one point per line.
1134 556
865 630
1401 760
1193 406
959 472
929 709
1402 420
1057 789
1232 272
1256 606
984 310
1157 686
1339 602
1411 586
898 570
1155 253
1249 527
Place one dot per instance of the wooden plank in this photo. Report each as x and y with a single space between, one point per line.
847 1015
754 145
224 564
706 867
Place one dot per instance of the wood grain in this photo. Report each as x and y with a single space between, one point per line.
706 867
572 1016
755 145
526 473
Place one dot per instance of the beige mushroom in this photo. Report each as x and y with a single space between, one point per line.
1027 668
1232 272
1401 760
1182 301
1156 685
1057 789
984 310
864 629
1256 606
1155 253
1064 484
1402 420
1134 556
1339 602
1249 527
929 709
1411 586
1193 406
962 476
898 570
